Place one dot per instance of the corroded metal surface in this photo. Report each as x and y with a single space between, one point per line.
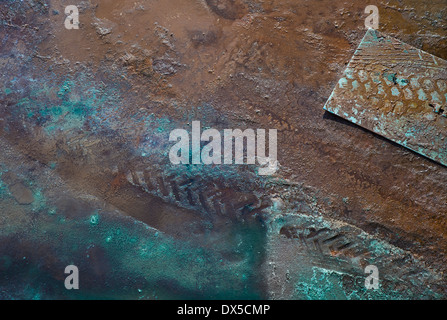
397 91
85 178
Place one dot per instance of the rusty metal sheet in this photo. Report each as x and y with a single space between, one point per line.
86 179
396 91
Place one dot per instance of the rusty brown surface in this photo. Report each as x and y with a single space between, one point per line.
240 64
396 91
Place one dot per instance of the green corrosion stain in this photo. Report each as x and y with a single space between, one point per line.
402 82
421 95
349 73
436 97
94 219
3 187
137 261
390 78
163 124
380 248
66 107
323 285
342 82
376 77
65 88
39 202
56 111
414 82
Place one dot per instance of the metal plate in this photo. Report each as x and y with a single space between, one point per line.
396 91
